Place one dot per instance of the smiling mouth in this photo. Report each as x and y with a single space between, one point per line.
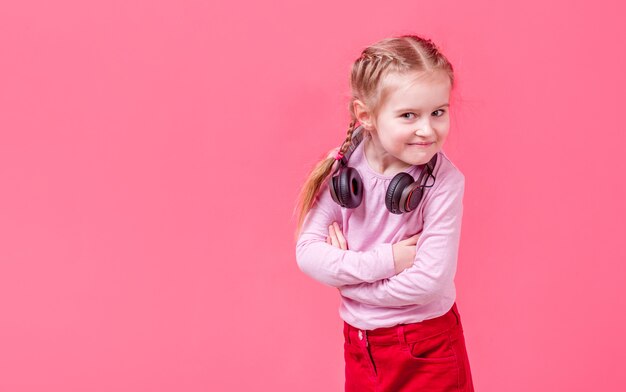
421 144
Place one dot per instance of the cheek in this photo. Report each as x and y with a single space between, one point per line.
395 142
386 143
443 133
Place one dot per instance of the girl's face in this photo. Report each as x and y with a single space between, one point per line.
413 122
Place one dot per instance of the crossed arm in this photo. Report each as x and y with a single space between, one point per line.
332 265
435 261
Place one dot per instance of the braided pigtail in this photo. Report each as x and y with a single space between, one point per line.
319 174
346 143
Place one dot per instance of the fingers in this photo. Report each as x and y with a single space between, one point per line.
340 237
411 240
335 236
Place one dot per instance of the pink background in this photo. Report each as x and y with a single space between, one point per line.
151 153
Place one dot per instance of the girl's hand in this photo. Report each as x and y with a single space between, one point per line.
335 237
404 253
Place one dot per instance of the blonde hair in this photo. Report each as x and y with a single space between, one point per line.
404 54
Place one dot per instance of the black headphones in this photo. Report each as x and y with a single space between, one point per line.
403 193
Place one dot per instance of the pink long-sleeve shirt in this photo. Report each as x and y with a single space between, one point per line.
372 294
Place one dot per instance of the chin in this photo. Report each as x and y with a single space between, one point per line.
421 160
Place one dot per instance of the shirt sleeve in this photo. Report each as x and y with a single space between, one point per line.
331 265
435 259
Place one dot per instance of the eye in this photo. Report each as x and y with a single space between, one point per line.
440 110
404 115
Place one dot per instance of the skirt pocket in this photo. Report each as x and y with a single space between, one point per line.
436 349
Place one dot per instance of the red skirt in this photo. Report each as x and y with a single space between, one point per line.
425 356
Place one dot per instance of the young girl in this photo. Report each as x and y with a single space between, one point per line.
381 221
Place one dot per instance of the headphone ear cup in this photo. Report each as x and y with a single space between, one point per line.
411 197
347 188
332 187
394 191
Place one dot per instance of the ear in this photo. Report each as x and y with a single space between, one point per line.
363 114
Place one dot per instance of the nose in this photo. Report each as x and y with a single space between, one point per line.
426 130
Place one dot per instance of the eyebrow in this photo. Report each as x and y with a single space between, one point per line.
409 109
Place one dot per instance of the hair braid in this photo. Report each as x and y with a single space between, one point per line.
348 140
